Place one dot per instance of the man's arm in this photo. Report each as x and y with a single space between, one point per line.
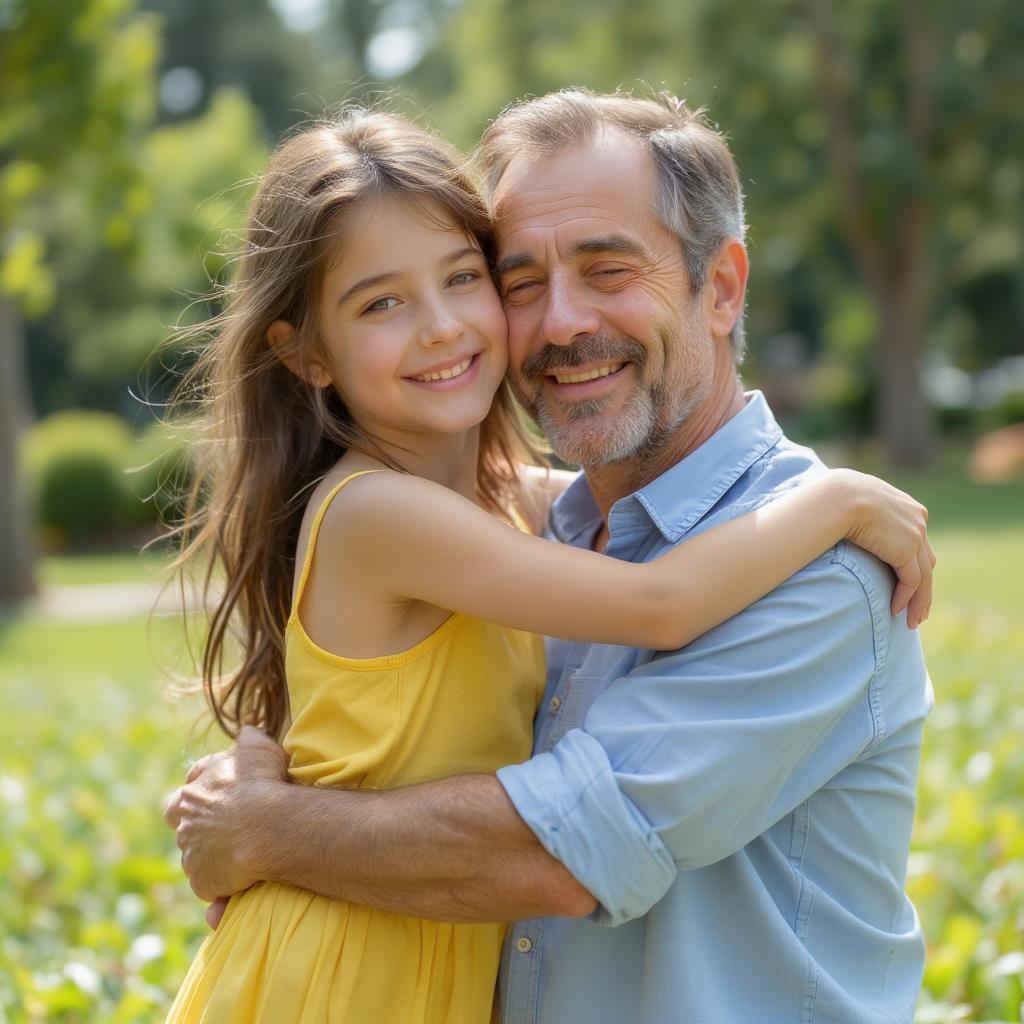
449 850
691 756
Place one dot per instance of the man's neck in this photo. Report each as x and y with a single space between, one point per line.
614 480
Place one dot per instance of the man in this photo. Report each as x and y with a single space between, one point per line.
738 812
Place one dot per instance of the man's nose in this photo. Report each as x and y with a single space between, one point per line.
568 314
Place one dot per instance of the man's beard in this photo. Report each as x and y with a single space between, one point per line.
588 437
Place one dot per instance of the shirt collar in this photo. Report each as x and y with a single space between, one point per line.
677 500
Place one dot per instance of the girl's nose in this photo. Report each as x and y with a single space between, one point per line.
440 326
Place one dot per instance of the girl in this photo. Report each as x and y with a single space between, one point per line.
365 496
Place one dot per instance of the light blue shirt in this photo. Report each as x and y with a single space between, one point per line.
741 808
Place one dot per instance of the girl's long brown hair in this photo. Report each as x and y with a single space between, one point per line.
266 437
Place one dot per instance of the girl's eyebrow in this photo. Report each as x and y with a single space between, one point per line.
367 283
459 254
378 279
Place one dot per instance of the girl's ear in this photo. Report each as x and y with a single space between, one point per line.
281 338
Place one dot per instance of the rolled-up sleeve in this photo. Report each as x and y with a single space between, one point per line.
572 800
694 754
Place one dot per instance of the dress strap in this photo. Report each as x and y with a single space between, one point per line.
314 532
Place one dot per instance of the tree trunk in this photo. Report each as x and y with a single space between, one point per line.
895 263
903 418
16 548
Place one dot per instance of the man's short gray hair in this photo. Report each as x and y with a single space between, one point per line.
699 196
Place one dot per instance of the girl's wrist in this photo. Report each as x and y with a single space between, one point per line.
851 499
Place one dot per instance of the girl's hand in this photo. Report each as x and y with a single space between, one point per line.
894 527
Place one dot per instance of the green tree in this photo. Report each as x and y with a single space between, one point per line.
75 90
120 304
239 45
877 143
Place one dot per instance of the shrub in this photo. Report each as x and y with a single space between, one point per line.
80 494
75 461
91 477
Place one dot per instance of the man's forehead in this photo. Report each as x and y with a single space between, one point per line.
605 188
581 174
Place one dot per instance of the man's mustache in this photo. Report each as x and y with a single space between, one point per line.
596 348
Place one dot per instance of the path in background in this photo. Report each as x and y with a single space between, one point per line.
111 602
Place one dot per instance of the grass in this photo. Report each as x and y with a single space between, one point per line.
967 866
97 923
95 918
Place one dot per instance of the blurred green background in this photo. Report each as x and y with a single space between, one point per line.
880 149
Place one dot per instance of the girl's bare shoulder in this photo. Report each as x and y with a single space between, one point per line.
370 511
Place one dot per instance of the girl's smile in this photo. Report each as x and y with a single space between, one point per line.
452 373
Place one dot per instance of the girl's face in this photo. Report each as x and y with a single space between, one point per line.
411 323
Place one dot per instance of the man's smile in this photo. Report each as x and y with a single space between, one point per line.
587 382
579 376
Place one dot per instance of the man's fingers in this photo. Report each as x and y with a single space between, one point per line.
204 894
172 809
215 911
198 767
188 864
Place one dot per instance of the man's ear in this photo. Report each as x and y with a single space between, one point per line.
727 287
307 367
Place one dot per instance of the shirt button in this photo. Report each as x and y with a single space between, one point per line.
556 703
524 945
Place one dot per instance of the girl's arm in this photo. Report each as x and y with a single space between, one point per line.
409 538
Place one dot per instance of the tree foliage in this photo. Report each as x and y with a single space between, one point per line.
877 144
75 87
104 218
123 302
238 45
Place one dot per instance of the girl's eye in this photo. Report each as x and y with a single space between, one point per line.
381 305
463 277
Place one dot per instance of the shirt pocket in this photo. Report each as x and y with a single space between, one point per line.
572 702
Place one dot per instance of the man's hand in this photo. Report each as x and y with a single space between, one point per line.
451 850
216 814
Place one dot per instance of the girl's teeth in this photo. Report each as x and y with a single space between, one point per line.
577 378
454 371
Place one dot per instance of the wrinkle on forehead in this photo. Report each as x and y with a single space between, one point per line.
596 190
547 204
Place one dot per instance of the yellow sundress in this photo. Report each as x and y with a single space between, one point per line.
462 700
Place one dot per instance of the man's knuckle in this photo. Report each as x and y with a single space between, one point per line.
171 810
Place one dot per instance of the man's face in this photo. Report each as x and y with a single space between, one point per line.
608 349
